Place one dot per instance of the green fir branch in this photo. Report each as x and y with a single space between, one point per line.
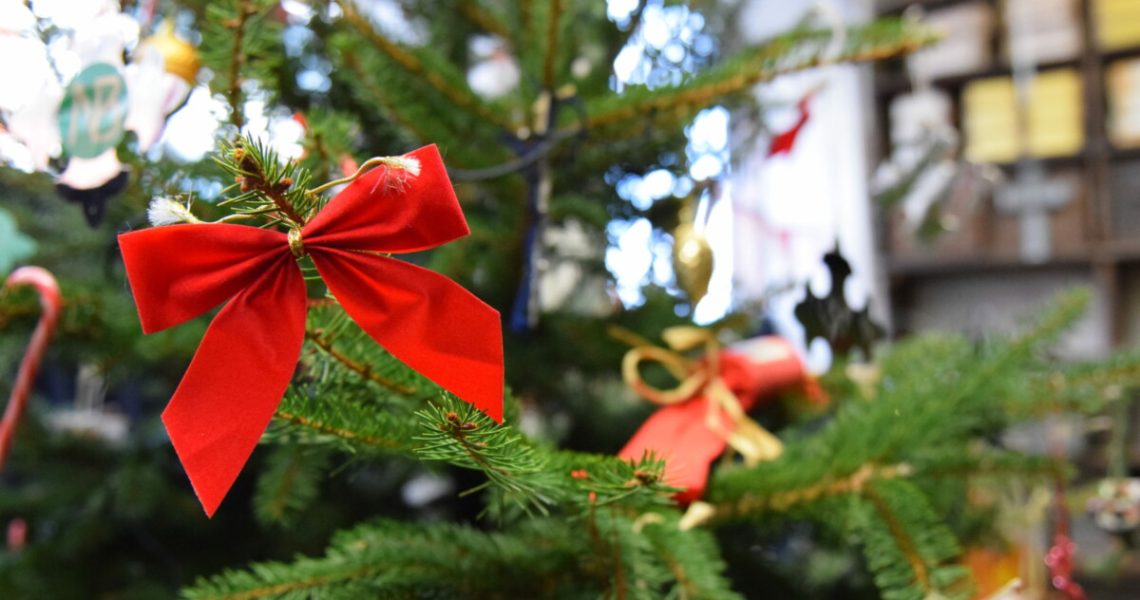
608 555
907 545
289 484
553 38
436 73
241 43
532 478
485 18
938 394
612 116
414 109
344 422
391 559
266 185
365 371
456 432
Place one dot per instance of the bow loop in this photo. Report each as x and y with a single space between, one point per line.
178 272
406 205
692 376
686 337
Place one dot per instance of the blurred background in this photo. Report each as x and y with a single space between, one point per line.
964 185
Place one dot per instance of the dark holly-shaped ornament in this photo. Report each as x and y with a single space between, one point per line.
829 317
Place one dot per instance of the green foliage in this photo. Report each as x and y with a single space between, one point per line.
908 547
882 461
887 474
265 185
602 555
241 43
290 483
792 51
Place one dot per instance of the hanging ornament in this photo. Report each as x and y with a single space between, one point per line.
92 121
86 119
1059 558
48 291
93 114
89 417
830 318
707 410
180 58
495 72
1116 506
783 143
90 183
692 255
159 78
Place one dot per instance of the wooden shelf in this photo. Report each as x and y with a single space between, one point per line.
1121 154
1117 251
897 83
1124 251
1119 53
895 7
1051 162
940 266
1092 230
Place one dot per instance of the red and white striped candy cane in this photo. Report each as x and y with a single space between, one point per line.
48 291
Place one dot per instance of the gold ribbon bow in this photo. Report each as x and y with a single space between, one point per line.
747 437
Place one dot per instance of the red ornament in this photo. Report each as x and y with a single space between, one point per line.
689 435
783 143
50 302
1060 557
247 357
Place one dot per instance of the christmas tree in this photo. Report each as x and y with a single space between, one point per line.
384 470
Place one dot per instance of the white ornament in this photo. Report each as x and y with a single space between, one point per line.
90 173
495 72
153 94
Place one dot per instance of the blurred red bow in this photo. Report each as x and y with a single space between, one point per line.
249 352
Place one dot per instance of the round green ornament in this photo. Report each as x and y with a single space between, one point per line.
93 114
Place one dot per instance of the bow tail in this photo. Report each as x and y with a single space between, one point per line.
424 319
236 381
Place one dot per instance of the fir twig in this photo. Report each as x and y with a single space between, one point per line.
458 433
793 51
855 483
364 371
237 26
266 185
343 433
462 98
552 43
482 17
902 538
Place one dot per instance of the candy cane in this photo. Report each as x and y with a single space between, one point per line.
48 291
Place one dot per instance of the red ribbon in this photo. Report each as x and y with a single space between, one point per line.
782 143
680 434
249 352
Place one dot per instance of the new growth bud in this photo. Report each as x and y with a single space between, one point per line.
168 211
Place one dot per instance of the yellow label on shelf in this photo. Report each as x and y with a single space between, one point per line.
1053 117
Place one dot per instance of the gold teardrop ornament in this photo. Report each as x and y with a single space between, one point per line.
692 261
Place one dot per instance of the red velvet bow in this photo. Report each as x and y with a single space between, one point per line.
681 434
247 357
